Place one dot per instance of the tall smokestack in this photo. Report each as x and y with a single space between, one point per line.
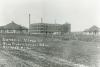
41 20
29 19
55 21
29 22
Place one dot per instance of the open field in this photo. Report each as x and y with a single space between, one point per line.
78 51
86 53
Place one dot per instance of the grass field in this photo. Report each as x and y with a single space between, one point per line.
79 52
75 50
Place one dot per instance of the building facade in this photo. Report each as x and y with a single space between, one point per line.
39 28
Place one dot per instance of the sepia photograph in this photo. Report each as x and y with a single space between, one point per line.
49 33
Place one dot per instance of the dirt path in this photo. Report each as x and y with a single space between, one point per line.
7 60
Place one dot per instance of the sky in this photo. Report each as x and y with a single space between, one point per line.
81 14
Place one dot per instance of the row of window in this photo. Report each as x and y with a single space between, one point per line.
12 31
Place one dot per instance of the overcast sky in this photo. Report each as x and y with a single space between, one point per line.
81 14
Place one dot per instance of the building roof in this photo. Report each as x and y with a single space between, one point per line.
1 27
66 23
13 26
93 28
48 24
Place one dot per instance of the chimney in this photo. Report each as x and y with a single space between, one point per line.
41 20
29 23
29 20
